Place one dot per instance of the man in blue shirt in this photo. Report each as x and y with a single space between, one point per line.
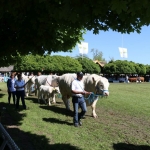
11 89
20 93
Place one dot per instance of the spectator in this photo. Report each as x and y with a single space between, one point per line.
127 79
20 92
138 79
11 89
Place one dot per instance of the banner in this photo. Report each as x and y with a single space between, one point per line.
83 48
123 52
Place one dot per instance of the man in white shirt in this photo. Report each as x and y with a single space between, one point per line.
78 93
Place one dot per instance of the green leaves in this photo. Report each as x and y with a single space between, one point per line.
88 66
59 24
124 67
56 64
119 5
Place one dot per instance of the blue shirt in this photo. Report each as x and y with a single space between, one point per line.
19 83
10 84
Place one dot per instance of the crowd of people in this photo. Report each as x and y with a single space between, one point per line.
16 90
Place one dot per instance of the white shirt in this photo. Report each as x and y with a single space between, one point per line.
19 83
77 86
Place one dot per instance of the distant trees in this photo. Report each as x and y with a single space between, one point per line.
97 55
56 64
147 69
88 66
61 65
124 67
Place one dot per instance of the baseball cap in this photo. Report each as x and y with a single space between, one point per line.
80 74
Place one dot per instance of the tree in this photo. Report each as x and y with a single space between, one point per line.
111 59
82 56
88 66
56 64
147 69
119 67
42 25
97 55
141 69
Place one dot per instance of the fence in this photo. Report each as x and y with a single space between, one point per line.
7 140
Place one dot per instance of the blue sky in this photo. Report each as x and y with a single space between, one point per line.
138 45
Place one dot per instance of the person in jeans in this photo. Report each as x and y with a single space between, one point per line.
20 91
11 89
78 93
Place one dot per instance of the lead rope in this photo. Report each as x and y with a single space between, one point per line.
92 97
28 81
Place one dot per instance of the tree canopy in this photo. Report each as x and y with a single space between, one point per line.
88 66
124 67
48 64
40 25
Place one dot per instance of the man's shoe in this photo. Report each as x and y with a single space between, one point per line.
76 125
83 117
80 123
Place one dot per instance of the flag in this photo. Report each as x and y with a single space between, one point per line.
123 52
83 48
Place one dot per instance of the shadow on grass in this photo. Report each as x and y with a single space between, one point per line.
26 140
1 95
59 110
29 141
124 146
54 120
33 99
10 112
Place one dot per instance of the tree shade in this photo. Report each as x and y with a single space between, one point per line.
40 25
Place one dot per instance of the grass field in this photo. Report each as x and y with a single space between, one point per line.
123 122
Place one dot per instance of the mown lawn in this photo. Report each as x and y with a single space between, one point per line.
123 122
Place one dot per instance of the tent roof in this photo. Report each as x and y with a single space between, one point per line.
101 63
6 69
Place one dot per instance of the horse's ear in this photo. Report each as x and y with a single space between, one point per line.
93 79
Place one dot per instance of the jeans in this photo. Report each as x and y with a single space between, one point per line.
78 102
13 93
20 94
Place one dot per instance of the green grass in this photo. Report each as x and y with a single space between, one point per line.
123 122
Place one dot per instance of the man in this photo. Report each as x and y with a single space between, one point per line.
78 91
10 88
127 79
20 93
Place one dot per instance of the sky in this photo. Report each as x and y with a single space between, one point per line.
108 42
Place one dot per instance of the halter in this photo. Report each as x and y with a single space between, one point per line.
92 97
